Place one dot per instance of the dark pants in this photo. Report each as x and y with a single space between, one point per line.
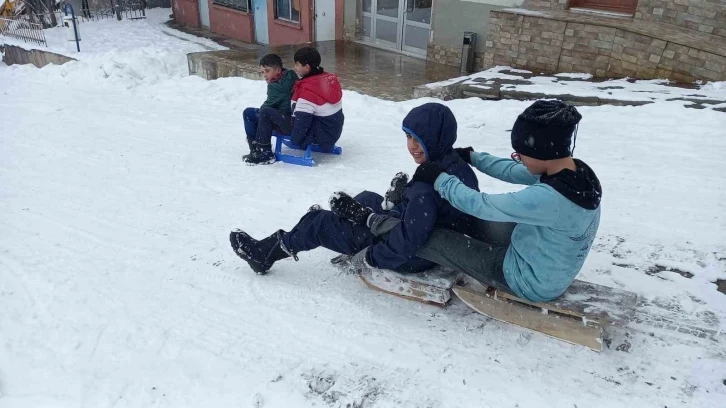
481 258
260 123
323 228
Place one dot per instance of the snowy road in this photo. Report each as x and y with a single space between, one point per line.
120 180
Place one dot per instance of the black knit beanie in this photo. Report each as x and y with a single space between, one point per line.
544 130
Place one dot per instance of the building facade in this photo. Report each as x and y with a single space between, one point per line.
269 22
431 29
675 39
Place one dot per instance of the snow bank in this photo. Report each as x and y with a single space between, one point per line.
112 36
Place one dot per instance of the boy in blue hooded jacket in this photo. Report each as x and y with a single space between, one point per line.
431 132
537 238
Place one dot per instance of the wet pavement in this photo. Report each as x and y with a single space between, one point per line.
372 71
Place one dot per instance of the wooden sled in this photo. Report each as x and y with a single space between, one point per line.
431 287
578 316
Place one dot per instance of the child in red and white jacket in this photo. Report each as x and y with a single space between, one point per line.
317 105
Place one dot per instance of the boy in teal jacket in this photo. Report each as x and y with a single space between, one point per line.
554 219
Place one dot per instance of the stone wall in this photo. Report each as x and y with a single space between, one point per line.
698 15
545 4
547 45
444 54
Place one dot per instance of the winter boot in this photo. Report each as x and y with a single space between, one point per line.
394 195
260 255
251 145
345 206
261 154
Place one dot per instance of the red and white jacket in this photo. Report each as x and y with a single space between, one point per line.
317 106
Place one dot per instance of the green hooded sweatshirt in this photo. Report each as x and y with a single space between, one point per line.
279 92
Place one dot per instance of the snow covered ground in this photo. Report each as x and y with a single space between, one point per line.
579 84
104 39
120 178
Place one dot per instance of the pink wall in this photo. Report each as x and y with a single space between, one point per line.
186 12
283 32
232 23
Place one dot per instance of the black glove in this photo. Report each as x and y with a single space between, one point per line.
465 153
427 173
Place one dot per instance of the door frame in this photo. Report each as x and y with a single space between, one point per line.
400 44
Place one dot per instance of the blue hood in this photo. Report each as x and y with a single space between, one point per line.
434 126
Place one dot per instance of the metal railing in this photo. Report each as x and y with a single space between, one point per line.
22 28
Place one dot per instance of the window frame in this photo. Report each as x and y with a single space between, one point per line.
234 5
287 20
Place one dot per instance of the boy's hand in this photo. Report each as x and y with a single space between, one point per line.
427 173
465 153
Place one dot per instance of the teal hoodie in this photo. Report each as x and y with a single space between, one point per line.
557 218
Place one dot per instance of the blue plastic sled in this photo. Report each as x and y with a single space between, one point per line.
304 160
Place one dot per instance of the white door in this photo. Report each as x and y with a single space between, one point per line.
324 20
204 12
259 12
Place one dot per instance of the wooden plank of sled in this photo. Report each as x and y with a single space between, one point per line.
565 327
431 287
605 305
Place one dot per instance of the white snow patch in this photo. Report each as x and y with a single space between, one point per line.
112 36
574 75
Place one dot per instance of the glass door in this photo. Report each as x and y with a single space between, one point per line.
402 25
416 26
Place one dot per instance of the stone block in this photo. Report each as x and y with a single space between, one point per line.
680 49
617 48
628 58
658 43
568 45
569 32
605 37
525 38
545 60
556 43
622 41
489 44
706 73
713 66
705 28
700 12
668 54
629 66
602 58
714 58
658 11
654 58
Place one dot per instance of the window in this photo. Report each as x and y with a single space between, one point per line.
288 10
241 5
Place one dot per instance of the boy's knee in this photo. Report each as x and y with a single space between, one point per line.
249 112
370 199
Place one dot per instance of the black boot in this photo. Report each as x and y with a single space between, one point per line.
261 154
345 206
251 145
260 255
394 195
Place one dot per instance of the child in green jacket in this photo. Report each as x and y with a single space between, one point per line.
275 114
